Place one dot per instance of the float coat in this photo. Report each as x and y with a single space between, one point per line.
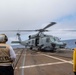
5 55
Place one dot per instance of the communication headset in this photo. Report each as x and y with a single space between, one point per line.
4 38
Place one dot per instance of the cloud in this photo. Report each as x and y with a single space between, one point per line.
35 14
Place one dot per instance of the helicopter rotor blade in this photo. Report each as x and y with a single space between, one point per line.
16 30
68 30
51 24
71 30
64 30
44 29
40 30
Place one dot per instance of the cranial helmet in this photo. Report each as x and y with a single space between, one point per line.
3 38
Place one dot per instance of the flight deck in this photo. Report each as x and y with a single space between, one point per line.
31 62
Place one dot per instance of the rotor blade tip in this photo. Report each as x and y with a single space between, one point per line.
53 22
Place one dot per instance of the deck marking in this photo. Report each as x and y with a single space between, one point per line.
56 58
47 64
23 63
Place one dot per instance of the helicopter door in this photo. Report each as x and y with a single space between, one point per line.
36 41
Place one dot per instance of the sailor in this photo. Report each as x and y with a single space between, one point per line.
74 61
7 56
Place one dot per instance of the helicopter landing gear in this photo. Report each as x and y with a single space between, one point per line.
31 48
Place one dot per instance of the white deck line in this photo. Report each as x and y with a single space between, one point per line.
56 58
62 61
40 65
46 64
23 63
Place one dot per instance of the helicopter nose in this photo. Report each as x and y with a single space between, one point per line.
65 44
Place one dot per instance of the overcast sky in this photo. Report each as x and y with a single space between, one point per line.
36 14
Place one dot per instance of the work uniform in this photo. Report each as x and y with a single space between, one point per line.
7 57
74 61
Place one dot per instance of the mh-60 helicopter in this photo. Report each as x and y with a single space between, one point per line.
41 41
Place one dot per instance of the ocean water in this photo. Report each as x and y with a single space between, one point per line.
70 43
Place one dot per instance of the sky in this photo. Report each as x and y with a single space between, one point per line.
36 14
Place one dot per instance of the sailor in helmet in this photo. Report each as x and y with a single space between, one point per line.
7 56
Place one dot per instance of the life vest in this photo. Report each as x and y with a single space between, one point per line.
5 54
74 60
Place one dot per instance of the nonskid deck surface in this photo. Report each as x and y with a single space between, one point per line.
43 63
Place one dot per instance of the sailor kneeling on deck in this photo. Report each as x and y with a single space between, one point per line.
7 56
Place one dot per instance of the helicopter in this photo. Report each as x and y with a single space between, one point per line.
41 41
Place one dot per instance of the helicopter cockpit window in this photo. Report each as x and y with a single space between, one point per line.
54 39
47 39
57 39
